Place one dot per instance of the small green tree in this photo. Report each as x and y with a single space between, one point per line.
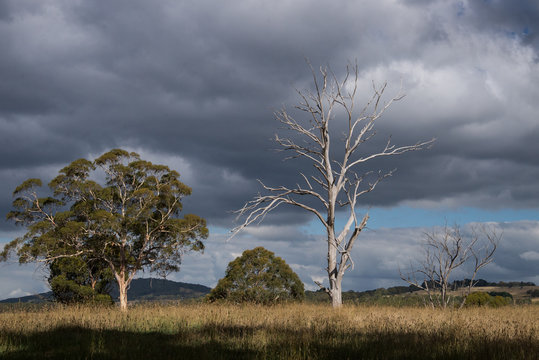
74 280
130 221
258 276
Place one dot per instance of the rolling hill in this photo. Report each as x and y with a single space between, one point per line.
140 290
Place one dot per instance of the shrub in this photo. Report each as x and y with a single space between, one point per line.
478 299
484 299
497 301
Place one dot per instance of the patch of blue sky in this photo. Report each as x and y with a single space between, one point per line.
410 217
219 229
518 34
460 9
406 217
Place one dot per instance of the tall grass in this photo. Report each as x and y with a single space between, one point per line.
302 331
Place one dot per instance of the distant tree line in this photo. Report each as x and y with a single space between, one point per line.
377 295
465 283
395 290
482 283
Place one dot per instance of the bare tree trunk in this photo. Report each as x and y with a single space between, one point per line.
123 295
93 280
444 295
123 283
333 273
336 294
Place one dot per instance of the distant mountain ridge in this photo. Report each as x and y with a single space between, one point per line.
161 289
38 298
142 289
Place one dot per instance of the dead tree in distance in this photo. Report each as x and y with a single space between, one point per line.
447 250
334 183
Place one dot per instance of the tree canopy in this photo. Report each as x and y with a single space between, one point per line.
74 280
258 276
130 220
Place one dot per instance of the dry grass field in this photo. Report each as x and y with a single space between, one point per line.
301 331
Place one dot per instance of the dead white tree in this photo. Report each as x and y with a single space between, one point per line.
447 250
335 183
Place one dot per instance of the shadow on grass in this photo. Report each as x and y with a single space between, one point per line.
222 342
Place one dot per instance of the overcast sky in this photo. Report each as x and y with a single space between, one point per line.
194 85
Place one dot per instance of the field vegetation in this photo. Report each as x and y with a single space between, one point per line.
407 296
293 331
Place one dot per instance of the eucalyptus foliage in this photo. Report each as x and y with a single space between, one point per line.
258 276
76 280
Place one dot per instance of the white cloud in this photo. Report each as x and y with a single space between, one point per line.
18 293
21 280
530 255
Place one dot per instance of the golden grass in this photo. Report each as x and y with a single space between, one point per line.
301 331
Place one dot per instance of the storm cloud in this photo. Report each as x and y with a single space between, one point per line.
194 85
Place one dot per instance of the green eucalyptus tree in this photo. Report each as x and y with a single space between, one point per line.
130 220
258 276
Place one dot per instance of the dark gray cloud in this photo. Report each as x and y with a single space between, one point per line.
194 86
516 18
179 78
